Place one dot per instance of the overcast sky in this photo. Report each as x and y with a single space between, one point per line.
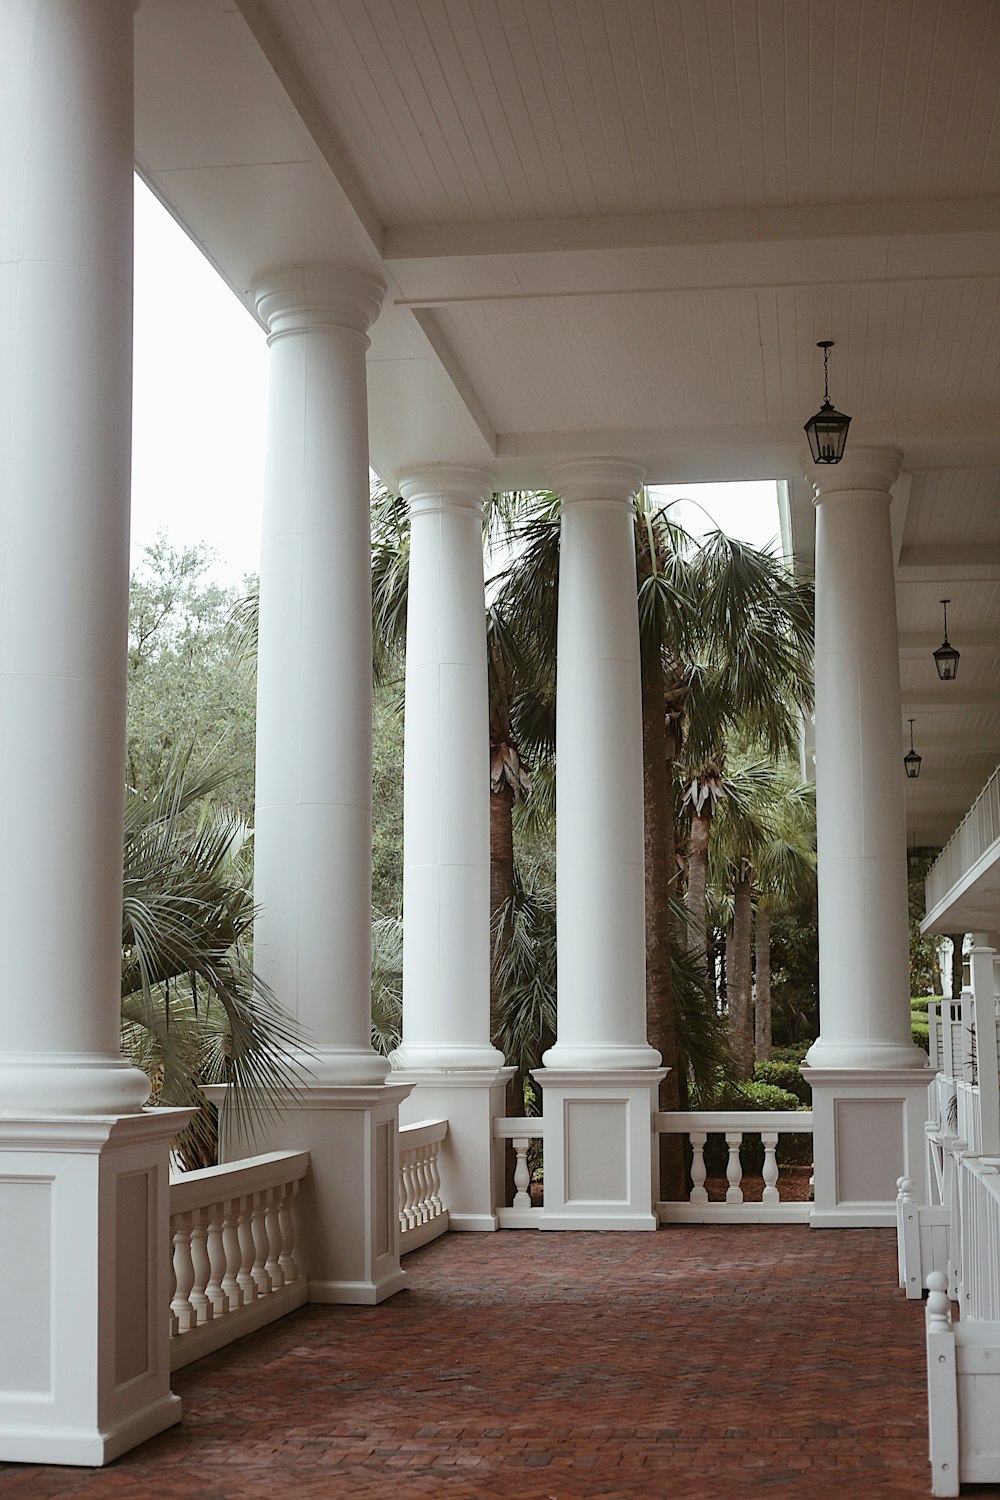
198 413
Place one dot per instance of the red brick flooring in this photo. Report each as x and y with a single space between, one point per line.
694 1364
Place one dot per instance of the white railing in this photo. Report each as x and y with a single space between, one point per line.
520 1131
734 1125
234 1233
422 1213
977 832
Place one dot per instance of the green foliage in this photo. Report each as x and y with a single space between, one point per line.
387 801
925 976
783 1075
920 1030
920 1003
193 1011
794 1052
387 983
794 977
183 693
762 1097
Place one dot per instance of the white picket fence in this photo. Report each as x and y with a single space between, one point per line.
735 1126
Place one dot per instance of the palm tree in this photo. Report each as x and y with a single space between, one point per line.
193 1011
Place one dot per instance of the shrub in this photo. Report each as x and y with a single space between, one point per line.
785 1075
920 1030
793 1054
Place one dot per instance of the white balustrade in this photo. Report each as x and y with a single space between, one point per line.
975 836
422 1213
234 1231
520 1131
734 1126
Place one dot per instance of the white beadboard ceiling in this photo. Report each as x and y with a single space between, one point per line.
620 226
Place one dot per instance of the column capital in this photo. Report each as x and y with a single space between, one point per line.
596 479
863 469
298 299
436 487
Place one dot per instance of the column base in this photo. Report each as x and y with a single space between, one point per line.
868 1131
348 1205
599 1156
85 1361
471 1169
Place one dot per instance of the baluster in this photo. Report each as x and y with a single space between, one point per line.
198 1296
286 1218
770 1172
272 1229
175 1327
244 1229
407 1211
522 1176
698 1168
258 1235
425 1185
734 1169
434 1164
216 1261
231 1250
184 1275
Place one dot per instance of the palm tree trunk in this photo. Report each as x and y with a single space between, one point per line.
501 890
762 966
697 882
661 1020
957 941
738 979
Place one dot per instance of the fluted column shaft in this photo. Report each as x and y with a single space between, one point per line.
446 846
312 857
861 831
66 155
600 900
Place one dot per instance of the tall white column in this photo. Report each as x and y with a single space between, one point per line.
84 1371
446 812
312 840
446 1052
65 443
868 1077
600 889
600 1078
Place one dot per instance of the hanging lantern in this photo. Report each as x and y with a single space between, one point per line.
827 430
946 657
911 760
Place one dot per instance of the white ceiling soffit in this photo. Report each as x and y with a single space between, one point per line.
620 226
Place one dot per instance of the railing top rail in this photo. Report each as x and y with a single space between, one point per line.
233 1179
422 1133
749 1121
518 1128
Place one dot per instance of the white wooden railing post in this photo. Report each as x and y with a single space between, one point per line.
198 1295
984 1023
699 1193
522 1176
183 1274
216 1262
769 1138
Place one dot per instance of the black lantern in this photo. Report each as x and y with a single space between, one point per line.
911 760
827 430
946 657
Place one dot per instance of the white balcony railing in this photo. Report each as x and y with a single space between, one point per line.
521 1131
422 1213
234 1234
734 1126
977 832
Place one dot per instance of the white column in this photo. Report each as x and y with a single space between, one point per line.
84 1372
65 435
446 811
868 1077
312 841
861 828
601 1077
446 1052
600 892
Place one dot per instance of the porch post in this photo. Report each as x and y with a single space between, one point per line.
83 1171
601 1076
446 1050
868 1077
312 859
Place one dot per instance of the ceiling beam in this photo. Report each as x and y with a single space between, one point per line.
979 563
948 698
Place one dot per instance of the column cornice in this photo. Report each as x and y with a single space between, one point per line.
871 469
299 299
602 479
436 487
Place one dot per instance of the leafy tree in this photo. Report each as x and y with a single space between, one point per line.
182 690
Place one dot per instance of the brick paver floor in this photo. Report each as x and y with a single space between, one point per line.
698 1363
